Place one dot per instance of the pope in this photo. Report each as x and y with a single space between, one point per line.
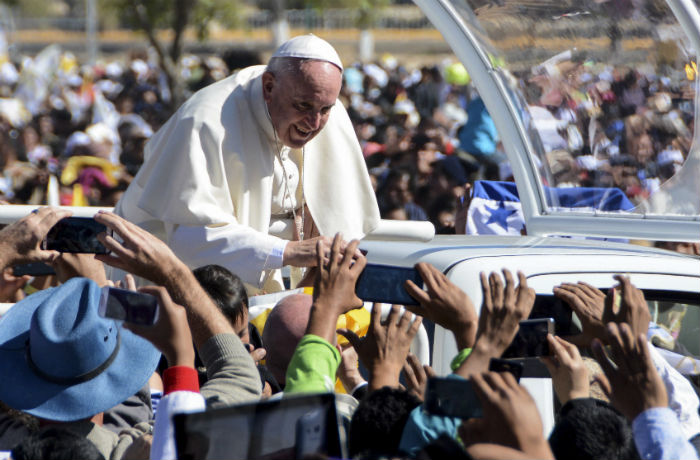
252 171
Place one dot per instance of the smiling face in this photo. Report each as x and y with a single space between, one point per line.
300 101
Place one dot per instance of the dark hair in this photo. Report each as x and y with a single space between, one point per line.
377 424
225 289
56 442
589 428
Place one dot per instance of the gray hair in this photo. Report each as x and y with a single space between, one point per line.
285 66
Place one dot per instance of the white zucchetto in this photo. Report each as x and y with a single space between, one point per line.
309 47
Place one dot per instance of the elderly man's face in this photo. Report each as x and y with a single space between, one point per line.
299 105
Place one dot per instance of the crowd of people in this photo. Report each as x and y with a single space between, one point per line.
77 385
73 134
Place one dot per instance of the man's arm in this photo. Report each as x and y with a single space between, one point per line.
315 361
233 376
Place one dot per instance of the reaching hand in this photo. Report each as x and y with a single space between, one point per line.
632 384
588 303
171 332
384 349
417 376
336 280
21 240
445 304
633 307
348 372
510 416
569 373
503 309
140 253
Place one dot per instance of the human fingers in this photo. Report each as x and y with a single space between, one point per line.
349 254
571 294
429 371
334 259
428 275
571 349
417 293
509 297
603 360
415 326
352 338
392 318
375 315
592 291
487 302
405 320
130 282
47 217
496 289
557 350
320 254
526 296
258 354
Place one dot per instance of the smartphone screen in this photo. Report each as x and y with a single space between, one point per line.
452 397
384 283
129 306
531 339
504 365
77 235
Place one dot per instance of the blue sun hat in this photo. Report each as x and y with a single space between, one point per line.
60 361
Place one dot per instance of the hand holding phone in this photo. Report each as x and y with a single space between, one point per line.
531 339
129 306
452 397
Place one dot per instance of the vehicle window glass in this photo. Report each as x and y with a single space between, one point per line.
606 91
676 321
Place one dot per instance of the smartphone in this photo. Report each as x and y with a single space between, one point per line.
531 339
452 397
33 269
506 365
130 306
77 235
384 283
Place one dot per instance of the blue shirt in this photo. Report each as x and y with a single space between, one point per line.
658 436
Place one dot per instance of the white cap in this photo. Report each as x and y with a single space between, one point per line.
309 47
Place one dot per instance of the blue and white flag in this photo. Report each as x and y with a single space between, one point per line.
495 207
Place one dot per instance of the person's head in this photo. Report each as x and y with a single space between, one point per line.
379 420
284 328
228 293
300 87
592 429
55 442
63 362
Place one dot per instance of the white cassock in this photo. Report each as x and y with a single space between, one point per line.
211 185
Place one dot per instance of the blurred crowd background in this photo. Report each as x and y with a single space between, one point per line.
74 134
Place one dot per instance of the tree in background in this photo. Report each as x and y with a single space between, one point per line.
175 17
